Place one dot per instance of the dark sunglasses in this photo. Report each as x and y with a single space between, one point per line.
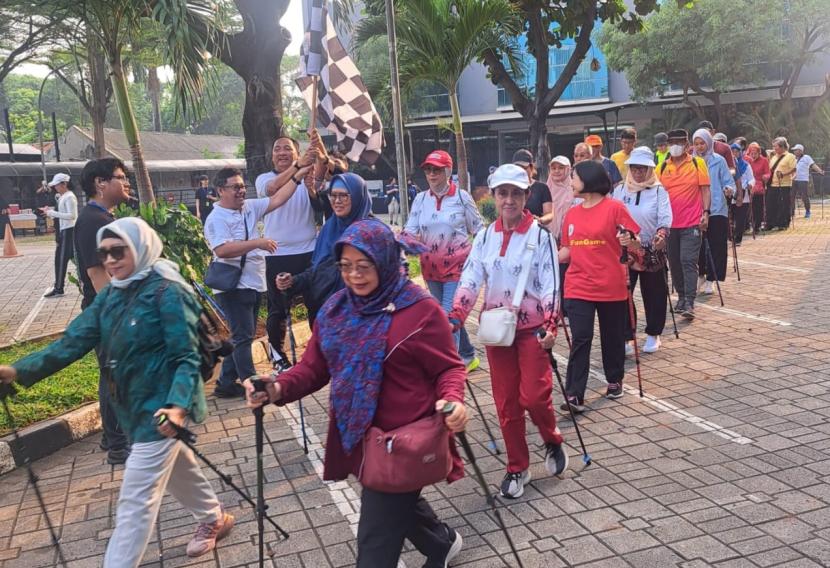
117 253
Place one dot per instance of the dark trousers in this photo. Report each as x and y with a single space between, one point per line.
386 519
778 207
655 299
740 217
240 307
113 438
801 189
278 303
612 325
4 220
758 210
684 248
717 234
65 251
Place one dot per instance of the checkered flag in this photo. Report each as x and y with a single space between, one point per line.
312 47
343 103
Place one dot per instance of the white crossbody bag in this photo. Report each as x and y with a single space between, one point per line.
497 327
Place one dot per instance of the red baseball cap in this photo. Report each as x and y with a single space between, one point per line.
438 158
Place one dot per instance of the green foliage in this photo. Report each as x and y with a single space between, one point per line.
295 112
19 93
487 208
413 266
181 234
75 385
210 155
762 122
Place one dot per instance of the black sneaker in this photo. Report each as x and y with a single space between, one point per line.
679 307
456 542
688 312
614 391
556 459
576 406
513 484
117 456
54 293
233 391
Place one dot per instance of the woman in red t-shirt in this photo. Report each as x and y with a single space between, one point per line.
760 171
596 282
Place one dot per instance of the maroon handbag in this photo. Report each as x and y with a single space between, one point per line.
408 458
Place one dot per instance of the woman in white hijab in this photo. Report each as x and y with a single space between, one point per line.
144 325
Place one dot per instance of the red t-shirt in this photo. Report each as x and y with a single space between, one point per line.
595 272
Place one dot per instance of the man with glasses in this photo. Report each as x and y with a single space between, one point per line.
231 232
292 227
106 186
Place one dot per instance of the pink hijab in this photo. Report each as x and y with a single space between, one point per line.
561 195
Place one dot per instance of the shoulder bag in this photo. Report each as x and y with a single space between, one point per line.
223 276
497 327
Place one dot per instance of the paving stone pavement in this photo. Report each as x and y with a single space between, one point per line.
726 463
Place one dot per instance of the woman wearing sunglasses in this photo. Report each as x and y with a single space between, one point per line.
145 325
444 218
392 371
350 202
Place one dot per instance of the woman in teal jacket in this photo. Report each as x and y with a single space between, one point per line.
145 325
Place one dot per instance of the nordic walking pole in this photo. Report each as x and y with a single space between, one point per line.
711 262
624 261
6 390
188 438
494 448
260 475
735 266
752 213
665 270
565 329
491 501
293 343
586 458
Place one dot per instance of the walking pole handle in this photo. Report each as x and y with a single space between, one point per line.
624 255
7 390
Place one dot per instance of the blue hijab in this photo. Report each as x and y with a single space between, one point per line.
740 163
335 226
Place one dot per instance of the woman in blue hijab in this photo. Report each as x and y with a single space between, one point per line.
350 201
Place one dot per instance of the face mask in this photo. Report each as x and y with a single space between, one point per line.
676 150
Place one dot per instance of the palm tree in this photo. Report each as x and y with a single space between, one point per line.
439 39
112 22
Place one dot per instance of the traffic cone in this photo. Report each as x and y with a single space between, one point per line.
9 248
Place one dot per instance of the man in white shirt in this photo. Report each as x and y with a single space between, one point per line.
231 232
292 227
66 215
801 183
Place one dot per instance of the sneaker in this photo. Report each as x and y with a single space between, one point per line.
455 547
576 406
207 534
474 363
700 281
688 312
707 288
513 484
54 293
807 215
629 349
652 344
556 458
614 391
679 307
117 456
235 390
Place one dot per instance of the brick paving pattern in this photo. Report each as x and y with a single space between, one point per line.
725 463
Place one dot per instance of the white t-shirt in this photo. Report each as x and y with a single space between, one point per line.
292 224
226 225
67 210
802 167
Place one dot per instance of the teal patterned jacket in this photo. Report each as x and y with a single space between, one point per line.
148 334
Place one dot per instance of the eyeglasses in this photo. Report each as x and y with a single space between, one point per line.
117 253
340 197
235 187
433 170
361 267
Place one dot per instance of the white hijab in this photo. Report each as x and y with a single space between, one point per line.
146 247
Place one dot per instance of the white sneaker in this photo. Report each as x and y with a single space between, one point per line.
707 288
629 349
652 344
513 484
701 280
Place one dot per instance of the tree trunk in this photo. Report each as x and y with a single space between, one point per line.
99 103
154 90
539 145
255 54
130 127
460 148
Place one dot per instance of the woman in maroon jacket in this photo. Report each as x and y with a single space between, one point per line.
382 343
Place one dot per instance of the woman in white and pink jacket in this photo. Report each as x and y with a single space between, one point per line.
521 373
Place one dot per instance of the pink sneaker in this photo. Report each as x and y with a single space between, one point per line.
207 534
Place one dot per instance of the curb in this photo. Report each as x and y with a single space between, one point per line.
41 439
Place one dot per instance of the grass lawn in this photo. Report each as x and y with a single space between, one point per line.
68 389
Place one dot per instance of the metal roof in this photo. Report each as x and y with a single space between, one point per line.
575 110
8 169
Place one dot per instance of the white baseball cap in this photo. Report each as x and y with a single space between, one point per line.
510 174
561 160
797 147
59 178
641 156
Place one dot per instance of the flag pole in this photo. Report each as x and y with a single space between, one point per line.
312 123
396 110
